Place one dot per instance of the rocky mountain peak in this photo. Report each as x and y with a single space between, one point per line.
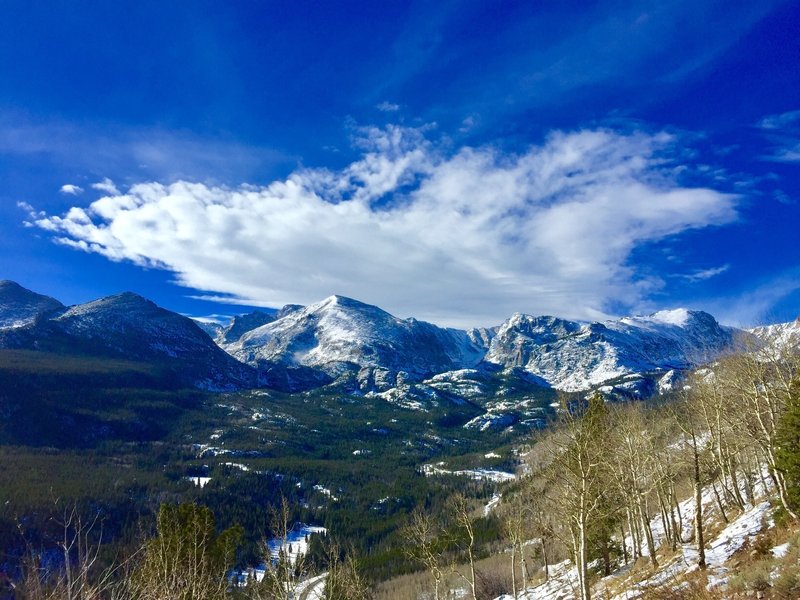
20 306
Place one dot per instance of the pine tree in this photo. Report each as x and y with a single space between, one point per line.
787 442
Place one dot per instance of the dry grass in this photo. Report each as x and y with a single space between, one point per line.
493 580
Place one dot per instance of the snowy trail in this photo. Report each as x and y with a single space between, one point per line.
311 589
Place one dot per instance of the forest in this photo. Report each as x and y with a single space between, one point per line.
605 485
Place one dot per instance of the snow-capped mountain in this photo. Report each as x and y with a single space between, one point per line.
20 307
341 335
571 356
241 324
129 326
782 334
372 352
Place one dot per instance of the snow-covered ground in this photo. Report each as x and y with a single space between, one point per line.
477 474
296 542
199 481
311 589
563 583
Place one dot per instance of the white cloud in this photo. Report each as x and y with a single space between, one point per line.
388 107
72 190
780 121
106 186
703 274
462 238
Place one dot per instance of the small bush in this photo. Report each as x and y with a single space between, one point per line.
753 577
491 584
689 590
787 585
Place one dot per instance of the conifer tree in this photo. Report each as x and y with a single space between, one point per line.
787 451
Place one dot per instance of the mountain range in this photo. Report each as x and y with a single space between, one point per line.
367 351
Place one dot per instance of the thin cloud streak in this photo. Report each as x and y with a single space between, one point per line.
460 238
136 153
755 307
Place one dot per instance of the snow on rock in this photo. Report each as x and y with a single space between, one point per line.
200 482
312 588
20 307
575 357
780 334
492 504
340 331
326 492
781 550
491 420
668 382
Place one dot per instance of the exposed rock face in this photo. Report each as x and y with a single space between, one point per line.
574 357
340 334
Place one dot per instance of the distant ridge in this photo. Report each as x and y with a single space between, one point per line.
367 350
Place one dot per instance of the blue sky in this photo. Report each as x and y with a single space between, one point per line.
453 161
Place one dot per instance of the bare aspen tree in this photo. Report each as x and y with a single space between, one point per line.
633 466
684 416
515 521
463 520
578 477
713 403
81 577
424 535
344 580
761 383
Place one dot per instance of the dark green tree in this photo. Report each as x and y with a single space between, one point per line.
787 444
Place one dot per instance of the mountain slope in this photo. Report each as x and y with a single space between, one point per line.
129 326
20 307
574 357
340 334
368 350
241 324
781 334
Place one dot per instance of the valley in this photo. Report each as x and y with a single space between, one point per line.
348 417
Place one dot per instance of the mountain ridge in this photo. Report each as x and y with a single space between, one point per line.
130 326
370 351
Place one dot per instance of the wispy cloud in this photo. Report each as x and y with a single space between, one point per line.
703 274
784 131
460 237
128 153
106 186
755 306
388 107
780 121
71 189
